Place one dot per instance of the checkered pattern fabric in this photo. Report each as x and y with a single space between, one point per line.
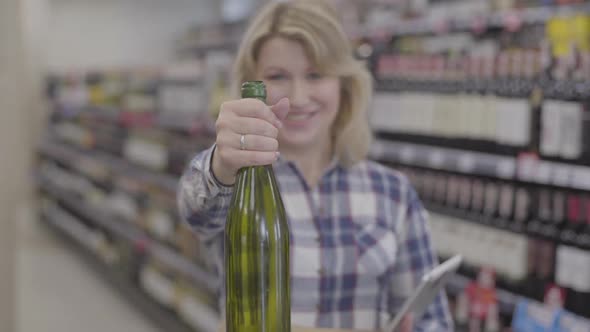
359 241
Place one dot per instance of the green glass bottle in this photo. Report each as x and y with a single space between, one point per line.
257 249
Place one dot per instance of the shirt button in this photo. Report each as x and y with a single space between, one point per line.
322 271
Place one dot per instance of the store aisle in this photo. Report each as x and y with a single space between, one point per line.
58 292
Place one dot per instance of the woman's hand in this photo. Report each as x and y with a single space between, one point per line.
247 132
407 324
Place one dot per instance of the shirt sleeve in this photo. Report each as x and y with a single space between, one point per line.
202 200
414 258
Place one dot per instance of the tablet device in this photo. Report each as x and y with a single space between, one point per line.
425 293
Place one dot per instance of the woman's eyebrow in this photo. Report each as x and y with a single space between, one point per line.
273 68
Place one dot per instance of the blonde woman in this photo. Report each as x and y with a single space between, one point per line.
359 237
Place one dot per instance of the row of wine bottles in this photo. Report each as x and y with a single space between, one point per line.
150 147
148 208
558 49
531 236
554 128
189 87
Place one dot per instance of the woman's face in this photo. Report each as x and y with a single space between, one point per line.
315 99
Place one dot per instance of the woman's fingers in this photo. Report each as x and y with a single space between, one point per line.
237 159
281 109
251 142
252 108
247 132
252 126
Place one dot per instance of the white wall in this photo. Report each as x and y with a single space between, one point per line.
98 33
13 147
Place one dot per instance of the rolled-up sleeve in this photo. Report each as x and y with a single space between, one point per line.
202 200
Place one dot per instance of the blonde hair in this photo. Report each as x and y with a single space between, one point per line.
315 24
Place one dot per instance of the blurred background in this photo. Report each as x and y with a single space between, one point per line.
482 104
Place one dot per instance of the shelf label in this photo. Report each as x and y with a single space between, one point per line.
512 21
580 177
157 286
407 154
436 159
478 25
543 174
466 163
561 175
527 166
505 168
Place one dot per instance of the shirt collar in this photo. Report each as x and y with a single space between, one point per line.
332 166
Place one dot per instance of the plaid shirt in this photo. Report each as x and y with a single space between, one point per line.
359 241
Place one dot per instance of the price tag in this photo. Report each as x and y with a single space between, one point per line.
543 174
512 22
561 175
527 166
407 154
381 34
580 177
506 168
466 163
157 286
441 26
478 25
197 314
150 154
436 159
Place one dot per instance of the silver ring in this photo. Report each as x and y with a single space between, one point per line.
243 142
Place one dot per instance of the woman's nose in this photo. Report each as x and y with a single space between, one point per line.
300 93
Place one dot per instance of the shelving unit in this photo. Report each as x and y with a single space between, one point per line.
512 88
501 19
130 234
72 156
189 123
463 161
78 238
485 164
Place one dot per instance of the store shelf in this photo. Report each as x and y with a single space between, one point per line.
507 300
200 49
554 173
78 237
130 233
510 19
70 155
454 160
191 123
187 122
496 223
514 88
525 168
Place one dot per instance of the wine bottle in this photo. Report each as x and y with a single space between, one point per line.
257 249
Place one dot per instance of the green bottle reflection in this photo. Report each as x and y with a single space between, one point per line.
257 249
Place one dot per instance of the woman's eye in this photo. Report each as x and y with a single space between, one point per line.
314 76
275 77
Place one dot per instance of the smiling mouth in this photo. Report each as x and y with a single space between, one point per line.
300 116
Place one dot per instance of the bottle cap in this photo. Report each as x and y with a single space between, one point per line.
254 89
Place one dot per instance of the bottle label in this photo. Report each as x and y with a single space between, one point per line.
534 317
